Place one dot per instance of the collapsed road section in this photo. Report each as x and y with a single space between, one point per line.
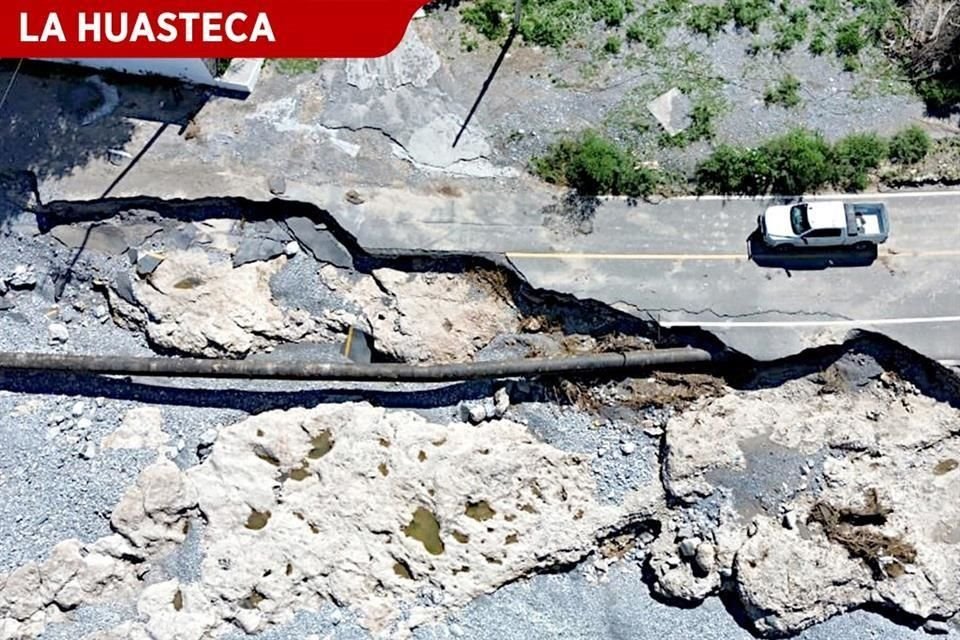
796 490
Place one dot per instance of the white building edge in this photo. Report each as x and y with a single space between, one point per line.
236 74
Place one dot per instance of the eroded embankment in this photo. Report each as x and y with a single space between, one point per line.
799 489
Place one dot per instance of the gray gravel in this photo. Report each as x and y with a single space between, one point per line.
565 606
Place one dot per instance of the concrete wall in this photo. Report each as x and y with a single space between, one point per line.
190 69
240 78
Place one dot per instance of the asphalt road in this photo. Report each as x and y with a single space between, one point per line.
689 262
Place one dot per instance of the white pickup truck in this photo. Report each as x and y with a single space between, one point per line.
825 224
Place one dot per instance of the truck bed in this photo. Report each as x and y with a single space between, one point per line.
866 220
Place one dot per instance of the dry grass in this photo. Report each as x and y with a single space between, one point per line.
493 282
854 529
673 390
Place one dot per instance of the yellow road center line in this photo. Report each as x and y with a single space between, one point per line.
675 257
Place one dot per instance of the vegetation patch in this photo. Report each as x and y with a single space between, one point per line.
709 19
594 165
296 66
651 26
802 161
854 157
940 167
791 31
613 45
634 126
550 23
910 146
786 93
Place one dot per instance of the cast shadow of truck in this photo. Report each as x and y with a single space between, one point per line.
817 259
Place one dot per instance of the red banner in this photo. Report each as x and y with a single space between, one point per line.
203 28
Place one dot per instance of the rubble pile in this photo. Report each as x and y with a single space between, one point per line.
877 525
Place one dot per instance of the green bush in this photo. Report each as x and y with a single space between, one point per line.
791 32
819 43
594 165
799 162
650 27
708 19
612 45
703 115
826 8
849 41
940 94
854 157
646 31
611 12
748 14
732 170
487 17
910 145
549 23
296 66
785 93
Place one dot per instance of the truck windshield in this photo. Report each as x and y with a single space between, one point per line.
798 219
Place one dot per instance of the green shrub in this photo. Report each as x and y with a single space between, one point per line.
799 162
792 31
708 19
650 28
703 116
854 157
732 170
910 145
594 165
819 43
785 93
826 8
549 23
940 94
651 25
611 12
612 45
487 17
748 14
849 41
296 66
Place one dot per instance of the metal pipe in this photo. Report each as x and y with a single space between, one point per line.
377 372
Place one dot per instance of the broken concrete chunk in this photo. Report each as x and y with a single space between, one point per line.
123 287
706 557
688 547
277 185
147 263
257 250
321 243
152 512
936 627
212 309
58 333
142 428
23 277
672 110
501 402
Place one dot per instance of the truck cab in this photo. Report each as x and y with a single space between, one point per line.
825 224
